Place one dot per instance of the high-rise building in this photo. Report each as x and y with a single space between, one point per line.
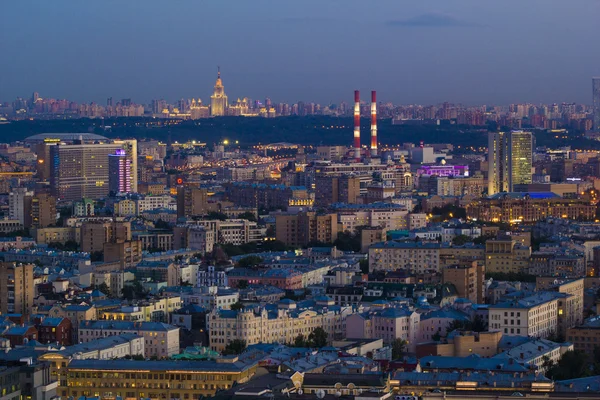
43 210
192 201
42 151
596 101
17 289
119 172
19 206
218 101
80 170
468 279
510 157
331 189
131 150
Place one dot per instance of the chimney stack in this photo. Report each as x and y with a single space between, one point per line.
373 124
357 125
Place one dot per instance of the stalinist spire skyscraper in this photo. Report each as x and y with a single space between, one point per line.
218 100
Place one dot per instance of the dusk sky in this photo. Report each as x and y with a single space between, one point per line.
428 51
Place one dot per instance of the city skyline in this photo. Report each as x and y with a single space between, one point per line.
490 53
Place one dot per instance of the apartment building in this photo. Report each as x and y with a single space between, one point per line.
535 316
193 237
387 216
506 255
529 207
160 340
387 324
280 325
17 288
94 233
585 336
467 279
463 344
416 257
127 252
300 229
56 235
153 379
155 310
233 231
260 195
570 293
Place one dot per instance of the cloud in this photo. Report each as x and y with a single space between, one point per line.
432 20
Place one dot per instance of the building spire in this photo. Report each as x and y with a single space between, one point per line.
218 71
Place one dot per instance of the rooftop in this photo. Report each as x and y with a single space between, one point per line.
139 366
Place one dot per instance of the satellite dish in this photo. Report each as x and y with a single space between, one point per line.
338 394
320 393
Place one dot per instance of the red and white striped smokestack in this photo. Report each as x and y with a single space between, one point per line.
373 124
357 125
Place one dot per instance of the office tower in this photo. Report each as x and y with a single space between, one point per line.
42 151
125 102
109 102
131 150
509 158
19 205
80 170
17 289
596 102
218 101
43 210
119 172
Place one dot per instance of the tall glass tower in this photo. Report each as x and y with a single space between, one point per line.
510 156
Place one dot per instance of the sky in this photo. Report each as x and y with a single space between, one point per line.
410 51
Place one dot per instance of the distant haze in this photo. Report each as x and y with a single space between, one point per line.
469 51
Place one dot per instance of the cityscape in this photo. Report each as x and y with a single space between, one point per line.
381 246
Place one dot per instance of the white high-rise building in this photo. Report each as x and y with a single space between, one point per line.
17 208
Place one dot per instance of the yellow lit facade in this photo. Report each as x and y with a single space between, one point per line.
154 380
218 101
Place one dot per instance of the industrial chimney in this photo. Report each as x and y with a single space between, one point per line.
373 124
357 125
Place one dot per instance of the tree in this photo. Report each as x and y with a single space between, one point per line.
398 348
299 341
270 231
460 325
460 240
236 346
96 256
216 215
160 224
103 287
364 266
237 306
242 284
248 215
249 261
134 291
318 337
347 241
478 324
572 365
